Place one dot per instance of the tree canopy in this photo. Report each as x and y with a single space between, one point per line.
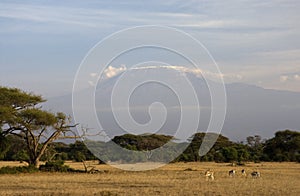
285 146
21 115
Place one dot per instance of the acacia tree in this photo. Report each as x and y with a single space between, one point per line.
21 115
285 146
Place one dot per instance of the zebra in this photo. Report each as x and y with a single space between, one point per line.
255 174
209 175
231 173
244 172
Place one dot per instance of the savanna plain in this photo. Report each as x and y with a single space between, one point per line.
172 179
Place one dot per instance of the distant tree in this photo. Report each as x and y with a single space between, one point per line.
21 115
59 150
285 146
242 152
4 146
141 142
215 154
16 149
254 141
78 151
255 149
230 154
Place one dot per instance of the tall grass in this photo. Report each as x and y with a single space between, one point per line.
172 179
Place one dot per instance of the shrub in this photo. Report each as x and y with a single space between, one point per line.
55 166
79 156
17 170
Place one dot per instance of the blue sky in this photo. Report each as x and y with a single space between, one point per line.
43 42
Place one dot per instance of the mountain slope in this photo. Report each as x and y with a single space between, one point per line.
250 109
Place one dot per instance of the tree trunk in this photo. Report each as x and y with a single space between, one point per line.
36 163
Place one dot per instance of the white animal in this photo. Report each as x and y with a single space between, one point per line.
231 173
209 175
255 174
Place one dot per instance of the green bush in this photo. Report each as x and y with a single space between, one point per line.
79 156
17 170
55 166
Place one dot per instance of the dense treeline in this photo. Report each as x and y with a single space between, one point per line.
284 146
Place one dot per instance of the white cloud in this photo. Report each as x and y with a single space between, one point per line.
91 83
297 77
209 24
291 77
99 18
283 78
182 69
111 71
93 75
65 17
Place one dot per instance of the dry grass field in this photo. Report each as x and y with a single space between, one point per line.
172 179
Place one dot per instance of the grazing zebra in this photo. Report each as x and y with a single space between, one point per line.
209 175
255 174
231 173
244 172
